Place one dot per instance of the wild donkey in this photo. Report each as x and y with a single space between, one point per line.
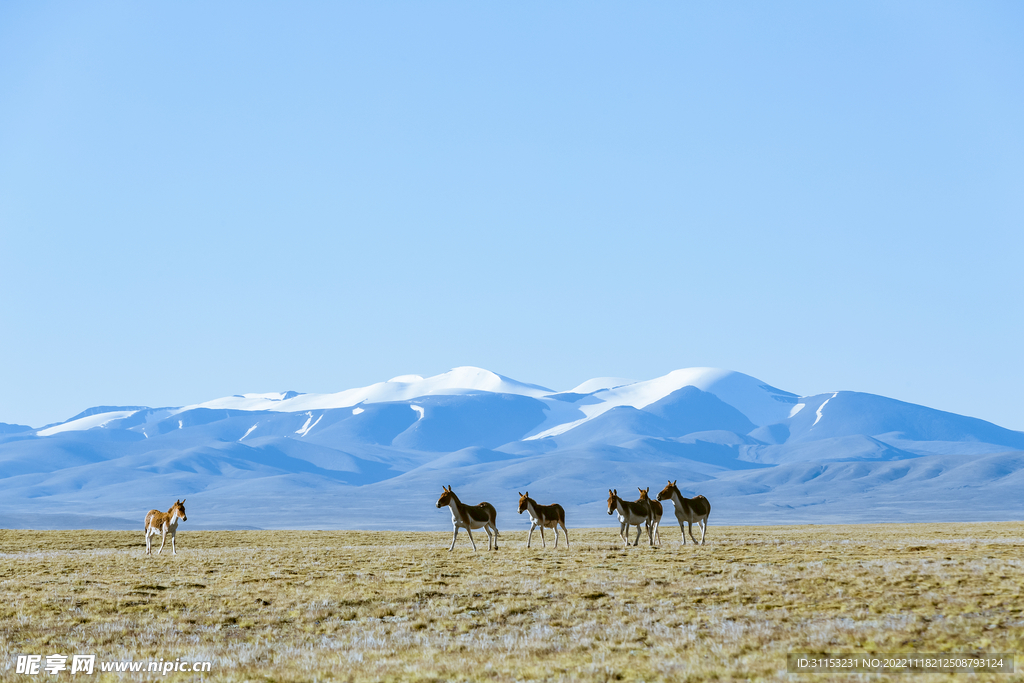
549 516
688 510
160 523
470 517
630 513
656 511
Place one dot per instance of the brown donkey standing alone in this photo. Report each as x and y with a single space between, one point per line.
161 522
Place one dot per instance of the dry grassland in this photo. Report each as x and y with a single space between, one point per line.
369 606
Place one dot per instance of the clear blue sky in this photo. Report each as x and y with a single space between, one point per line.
204 199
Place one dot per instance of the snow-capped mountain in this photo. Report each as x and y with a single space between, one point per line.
293 460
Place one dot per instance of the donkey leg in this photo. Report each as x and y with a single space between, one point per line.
174 551
149 543
454 536
703 530
470 532
566 535
530 537
691 533
543 540
163 539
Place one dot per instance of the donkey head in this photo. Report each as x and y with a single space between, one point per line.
179 509
523 498
643 493
667 492
613 498
446 497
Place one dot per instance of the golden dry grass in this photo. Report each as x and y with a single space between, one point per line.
361 606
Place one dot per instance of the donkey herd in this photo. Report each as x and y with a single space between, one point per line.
643 511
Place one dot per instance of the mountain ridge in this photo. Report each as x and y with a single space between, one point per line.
750 445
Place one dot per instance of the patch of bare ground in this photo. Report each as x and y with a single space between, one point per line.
397 606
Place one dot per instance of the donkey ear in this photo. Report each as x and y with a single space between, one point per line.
182 501
520 494
616 492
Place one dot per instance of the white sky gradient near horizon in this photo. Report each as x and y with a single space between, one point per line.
199 201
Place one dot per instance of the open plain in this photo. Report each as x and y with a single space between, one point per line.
368 606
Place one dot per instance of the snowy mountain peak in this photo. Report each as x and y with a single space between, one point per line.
599 383
459 380
88 422
761 403
477 379
406 379
272 396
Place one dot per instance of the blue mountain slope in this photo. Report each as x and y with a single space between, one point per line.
220 422
930 488
618 425
451 423
13 429
693 449
831 449
689 410
60 451
848 413
374 423
682 412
